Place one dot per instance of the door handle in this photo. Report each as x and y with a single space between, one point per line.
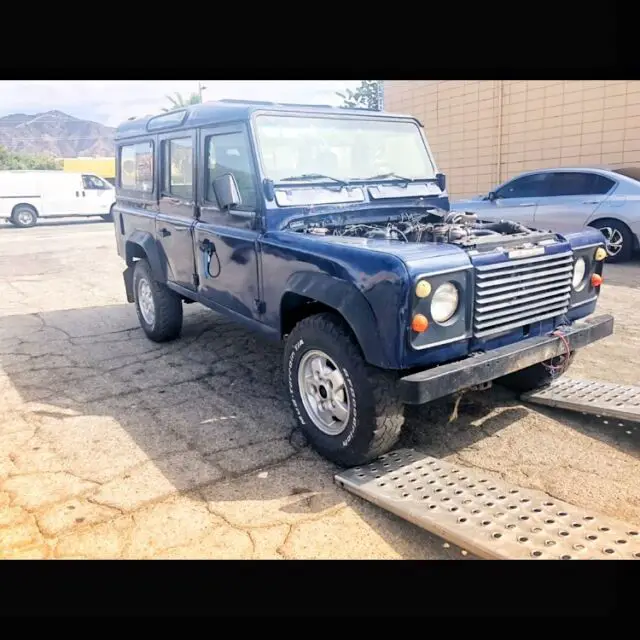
77 194
165 232
528 204
83 194
590 202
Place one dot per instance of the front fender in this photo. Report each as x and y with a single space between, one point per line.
142 244
347 300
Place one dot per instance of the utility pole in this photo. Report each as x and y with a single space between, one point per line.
201 88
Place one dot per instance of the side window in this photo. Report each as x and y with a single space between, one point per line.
230 153
93 182
136 167
600 185
570 183
531 186
177 168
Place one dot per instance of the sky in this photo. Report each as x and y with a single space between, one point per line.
111 102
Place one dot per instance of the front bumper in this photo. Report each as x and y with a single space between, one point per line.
424 386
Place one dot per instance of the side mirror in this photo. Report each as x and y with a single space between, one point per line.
492 196
227 192
269 190
441 181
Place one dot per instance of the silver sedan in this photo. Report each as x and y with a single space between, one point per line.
569 199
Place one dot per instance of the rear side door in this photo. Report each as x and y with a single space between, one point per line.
226 241
573 196
177 206
517 200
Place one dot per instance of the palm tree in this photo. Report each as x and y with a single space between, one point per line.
178 101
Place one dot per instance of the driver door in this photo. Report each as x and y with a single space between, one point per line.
226 241
98 195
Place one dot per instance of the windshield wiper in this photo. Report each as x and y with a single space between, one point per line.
385 176
314 176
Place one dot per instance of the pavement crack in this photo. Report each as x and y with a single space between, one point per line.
280 549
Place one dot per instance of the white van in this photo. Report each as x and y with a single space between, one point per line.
26 196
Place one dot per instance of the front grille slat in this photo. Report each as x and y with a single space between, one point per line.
525 276
558 280
515 300
536 267
515 293
506 316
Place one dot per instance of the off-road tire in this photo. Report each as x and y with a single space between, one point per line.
376 416
167 324
626 252
23 210
536 376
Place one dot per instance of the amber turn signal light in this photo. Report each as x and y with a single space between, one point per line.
601 254
419 323
596 280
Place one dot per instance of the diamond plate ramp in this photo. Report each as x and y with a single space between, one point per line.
488 518
596 398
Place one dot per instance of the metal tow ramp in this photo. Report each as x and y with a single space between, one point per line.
597 398
490 519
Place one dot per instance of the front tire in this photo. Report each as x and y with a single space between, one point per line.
537 375
619 240
159 309
348 410
24 216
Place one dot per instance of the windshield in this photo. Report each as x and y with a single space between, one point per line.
342 149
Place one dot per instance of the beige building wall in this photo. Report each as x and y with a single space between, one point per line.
483 132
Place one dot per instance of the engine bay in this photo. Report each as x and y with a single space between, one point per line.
450 227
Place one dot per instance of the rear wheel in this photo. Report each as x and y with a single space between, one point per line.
24 216
159 309
348 410
618 240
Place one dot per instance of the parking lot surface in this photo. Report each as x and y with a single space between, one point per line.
112 446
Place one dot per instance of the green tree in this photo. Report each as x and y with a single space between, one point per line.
12 160
366 96
178 101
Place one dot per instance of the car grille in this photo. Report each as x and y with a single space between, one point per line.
512 294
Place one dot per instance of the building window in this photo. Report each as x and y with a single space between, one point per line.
136 167
178 168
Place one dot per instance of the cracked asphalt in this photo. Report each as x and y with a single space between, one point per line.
112 446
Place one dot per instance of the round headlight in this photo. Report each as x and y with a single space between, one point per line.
579 270
444 302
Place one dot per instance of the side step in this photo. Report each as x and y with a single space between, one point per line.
596 398
488 518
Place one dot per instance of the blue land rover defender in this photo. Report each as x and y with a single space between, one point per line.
331 229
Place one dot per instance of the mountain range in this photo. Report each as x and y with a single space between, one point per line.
55 133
